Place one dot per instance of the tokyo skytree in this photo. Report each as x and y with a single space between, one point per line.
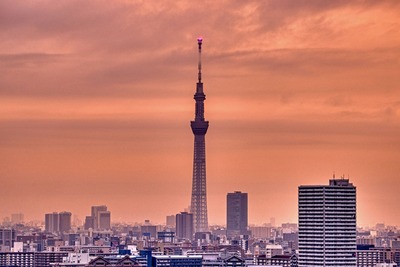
199 127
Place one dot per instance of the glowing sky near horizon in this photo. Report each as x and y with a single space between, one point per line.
96 99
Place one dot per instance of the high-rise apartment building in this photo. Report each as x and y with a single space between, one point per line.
95 216
52 222
199 128
170 221
7 237
65 221
88 223
236 214
104 218
184 225
327 224
58 222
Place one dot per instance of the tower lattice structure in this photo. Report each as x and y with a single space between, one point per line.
199 127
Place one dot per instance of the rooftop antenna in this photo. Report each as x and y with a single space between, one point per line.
199 41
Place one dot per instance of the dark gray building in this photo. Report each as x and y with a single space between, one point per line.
236 214
7 237
65 221
52 222
184 225
95 215
327 224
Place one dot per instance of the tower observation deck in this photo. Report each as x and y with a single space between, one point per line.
199 128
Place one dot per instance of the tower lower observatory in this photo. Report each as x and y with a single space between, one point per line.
199 128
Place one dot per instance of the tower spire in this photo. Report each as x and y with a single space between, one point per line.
199 42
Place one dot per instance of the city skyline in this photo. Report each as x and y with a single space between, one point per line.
96 98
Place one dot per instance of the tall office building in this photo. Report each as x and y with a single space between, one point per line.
184 225
199 128
58 222
104 220
95 215
327 224
7 237
170 220
88 223
236 214
65 221
52 222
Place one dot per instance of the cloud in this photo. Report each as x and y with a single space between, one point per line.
98 89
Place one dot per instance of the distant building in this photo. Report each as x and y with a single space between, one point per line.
95 215
370 256
113 262
177 261
260 231
184 225
327 224
283 260
58 222
149 230
52 222
104 220
166 237
170 221
88 222
29 259
291 239
272 250
7 237
233 261
17 218
367 257
65 221
236 214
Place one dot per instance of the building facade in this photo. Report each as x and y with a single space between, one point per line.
52 222
327 224
7 237
95 216
104 220
184 225
65 221
31 259
236 214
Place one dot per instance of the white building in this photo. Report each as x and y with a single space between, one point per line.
327 224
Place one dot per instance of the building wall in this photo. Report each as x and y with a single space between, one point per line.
184 225
236 214
104 220
95 215
52 222
327 224
65 221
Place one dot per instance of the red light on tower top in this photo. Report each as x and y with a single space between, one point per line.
200 41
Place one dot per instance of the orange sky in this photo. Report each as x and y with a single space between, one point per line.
96 99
